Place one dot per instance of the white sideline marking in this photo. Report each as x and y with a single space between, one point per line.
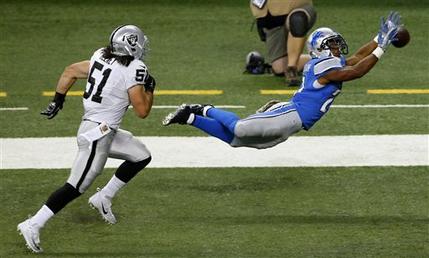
334 106
382 106
14 109
170 106
238 106
170 152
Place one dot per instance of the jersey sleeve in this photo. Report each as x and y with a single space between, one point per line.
325 65
97 54
136 73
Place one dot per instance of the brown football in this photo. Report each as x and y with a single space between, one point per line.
402 37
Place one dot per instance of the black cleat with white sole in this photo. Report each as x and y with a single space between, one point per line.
180 116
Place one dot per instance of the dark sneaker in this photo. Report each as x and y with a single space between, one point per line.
198 109
180 116
292 77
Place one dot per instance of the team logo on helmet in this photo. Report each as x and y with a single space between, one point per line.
128 40
132 39
316 36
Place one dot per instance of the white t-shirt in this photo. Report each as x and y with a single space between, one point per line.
106 95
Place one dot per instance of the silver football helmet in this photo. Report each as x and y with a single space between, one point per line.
320 41
128 40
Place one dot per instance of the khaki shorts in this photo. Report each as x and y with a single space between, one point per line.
276 43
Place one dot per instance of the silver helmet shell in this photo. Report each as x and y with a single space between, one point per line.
128 40
318 42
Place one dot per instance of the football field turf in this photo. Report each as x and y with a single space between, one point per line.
378 211
234 212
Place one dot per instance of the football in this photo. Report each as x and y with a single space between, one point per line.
402 37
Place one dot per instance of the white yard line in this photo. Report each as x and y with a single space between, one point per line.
382 106
13 108
176 106
241 106
169 152
333 106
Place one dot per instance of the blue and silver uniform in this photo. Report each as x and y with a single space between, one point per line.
313 99
275 125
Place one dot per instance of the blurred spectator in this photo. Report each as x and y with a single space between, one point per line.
283 25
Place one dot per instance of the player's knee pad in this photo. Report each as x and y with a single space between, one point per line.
127 170
300 20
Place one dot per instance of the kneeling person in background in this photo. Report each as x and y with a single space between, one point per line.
283 26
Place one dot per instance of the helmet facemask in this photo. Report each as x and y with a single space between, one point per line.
335 41
323 41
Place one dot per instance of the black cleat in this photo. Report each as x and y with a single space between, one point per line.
198 109
180 116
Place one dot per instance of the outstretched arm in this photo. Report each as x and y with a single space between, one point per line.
71 73
363 61
393 20
349 73
363 52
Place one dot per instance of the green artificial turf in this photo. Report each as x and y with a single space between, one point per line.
234 212
222 212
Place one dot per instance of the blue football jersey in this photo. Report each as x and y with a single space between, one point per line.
313 99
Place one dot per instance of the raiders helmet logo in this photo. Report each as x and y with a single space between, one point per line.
132 39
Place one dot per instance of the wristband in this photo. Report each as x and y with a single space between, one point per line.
378 52
59 98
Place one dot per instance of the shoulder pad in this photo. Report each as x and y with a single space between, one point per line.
325 64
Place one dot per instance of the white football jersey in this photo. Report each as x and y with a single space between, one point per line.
106 95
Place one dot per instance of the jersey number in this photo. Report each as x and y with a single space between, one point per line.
329 101
140 74
97 95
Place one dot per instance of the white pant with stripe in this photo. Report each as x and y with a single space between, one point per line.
92 156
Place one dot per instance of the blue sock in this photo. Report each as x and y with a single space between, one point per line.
213 128
226 118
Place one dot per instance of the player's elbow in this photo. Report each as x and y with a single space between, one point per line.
359 74
143 115
142 112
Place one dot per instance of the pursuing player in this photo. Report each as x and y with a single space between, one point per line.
116 77
323 77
